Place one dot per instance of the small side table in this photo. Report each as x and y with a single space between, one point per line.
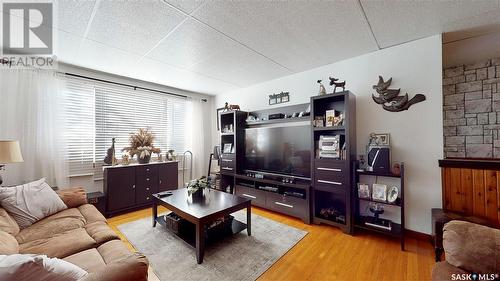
98 199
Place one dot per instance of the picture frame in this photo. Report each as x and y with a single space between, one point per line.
219 111
285 97
379 192
227 148
272 100
392 194
383 139
363 190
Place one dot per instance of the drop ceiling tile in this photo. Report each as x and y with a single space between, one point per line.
296 34
238 65
66 45
135 26
191 43
73 15
396 22
157 72
188 6
105 58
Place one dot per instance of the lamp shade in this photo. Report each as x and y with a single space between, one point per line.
10 152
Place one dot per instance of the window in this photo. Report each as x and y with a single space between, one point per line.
110 111
78 98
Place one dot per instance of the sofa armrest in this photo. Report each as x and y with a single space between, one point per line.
73 197
133 267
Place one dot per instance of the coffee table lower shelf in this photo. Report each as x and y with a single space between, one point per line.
188 232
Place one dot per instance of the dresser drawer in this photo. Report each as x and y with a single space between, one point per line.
147 170
286 204
258 197
326 176
143 198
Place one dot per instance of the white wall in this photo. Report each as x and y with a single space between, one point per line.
416 134
471 50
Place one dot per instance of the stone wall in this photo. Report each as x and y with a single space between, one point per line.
471 110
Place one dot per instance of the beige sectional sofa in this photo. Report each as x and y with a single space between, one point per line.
79 235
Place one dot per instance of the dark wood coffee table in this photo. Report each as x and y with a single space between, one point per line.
214 205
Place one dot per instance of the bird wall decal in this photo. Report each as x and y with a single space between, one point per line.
390 98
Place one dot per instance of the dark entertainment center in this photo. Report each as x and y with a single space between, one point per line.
276 162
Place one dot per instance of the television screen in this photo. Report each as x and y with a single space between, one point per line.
280 150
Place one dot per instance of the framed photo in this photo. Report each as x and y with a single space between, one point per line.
363 190
383 139
285 97
379 192
392 194
330 116
273 100
219 111
228 148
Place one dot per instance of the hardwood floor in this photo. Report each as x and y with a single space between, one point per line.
328 254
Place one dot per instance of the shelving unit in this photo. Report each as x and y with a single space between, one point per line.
331 178
397 229
231 162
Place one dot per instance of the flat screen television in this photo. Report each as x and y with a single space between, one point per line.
279 150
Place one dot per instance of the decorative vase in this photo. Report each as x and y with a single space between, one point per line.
197 195
144 160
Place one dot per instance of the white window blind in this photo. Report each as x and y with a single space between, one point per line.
78 101
97 112
123 110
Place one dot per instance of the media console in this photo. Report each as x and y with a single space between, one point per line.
288 198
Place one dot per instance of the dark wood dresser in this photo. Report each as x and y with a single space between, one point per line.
130 187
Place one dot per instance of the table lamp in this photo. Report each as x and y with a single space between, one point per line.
10 152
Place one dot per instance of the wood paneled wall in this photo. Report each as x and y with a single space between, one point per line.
472 191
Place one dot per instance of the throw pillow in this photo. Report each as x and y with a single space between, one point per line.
38 267
31 202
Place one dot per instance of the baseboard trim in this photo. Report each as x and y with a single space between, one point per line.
418 235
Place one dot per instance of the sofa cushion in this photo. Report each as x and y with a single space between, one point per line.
60 245
50 226
101 232
472 247
7 223
31 202
442 271
132 267
8 244
73 197
38 267
90 260
91 214
114 250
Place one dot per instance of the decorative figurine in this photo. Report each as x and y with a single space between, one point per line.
125 159
333 82
390 98
229 107
110 154
322 90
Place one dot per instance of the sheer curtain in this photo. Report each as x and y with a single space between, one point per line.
31 112
198 135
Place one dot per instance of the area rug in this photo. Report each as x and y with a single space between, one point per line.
240 257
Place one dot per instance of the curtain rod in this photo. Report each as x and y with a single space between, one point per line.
123 84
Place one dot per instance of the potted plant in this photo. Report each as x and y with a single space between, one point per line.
141 144
195 187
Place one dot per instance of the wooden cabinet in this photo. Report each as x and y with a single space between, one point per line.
131 187
332 177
